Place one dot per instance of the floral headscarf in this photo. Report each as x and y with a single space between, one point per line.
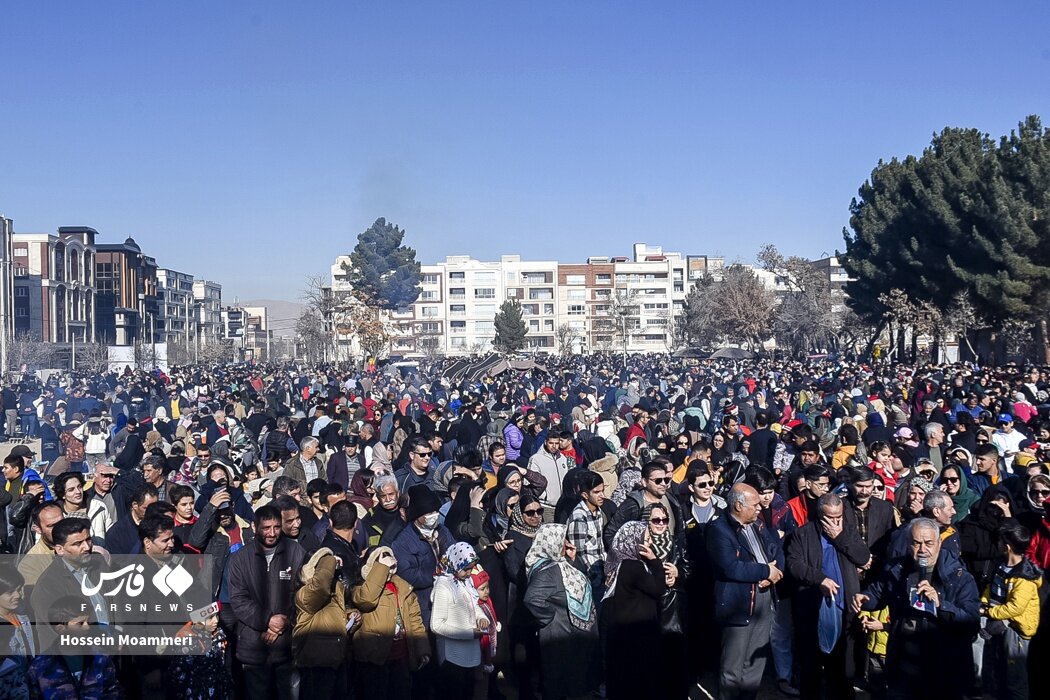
458 557
624 548
547 546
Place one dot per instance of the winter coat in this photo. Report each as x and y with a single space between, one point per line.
736 570
51 679
1021 609
416 562
319 637
259 591
378 606
606 469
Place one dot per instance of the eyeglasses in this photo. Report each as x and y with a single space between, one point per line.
659 521
1039 493
105 476
422 454
683 444
955 480
661 480
532 511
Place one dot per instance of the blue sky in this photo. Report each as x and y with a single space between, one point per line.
250 142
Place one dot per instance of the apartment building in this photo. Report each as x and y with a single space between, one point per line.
7 312
54 285
175 308
126 300
207 297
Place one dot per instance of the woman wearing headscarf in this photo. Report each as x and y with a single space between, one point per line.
525 520
559 596
635 581
978 532
953 482
457 623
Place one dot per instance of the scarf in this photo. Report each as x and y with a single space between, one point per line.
518 524
660 544
500 519
547 547
624 548
829 622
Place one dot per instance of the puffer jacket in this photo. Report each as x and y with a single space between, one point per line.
1021 609
378 606
319 638
606 469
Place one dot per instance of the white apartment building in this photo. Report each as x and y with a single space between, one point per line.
208 299
175 307
455 312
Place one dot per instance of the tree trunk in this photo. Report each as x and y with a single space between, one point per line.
1044 341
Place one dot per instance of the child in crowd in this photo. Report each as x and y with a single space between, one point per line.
484 685
1011 603
53 676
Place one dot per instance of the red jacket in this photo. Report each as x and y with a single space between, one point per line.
1039 549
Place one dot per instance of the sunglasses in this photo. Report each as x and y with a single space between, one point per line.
532 511
659 521
704 484
955 480
879 488
422 454
661 480
1039 493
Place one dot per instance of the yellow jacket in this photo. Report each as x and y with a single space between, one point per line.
1021 609
877 640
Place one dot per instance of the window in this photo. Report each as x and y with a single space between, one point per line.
576 309
485 277
21 271
429 295
457 342
548 309
457 276
603 279
429 327
577 295
484 309
458 326
429 278
602 294
485 293
430 312
21 291
515 293
536 277
484 327
21 311
576 279
21 250
543 294
548 324
456 309
534 325
530 309
654 307
457 293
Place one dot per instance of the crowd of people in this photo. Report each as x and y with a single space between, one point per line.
604 527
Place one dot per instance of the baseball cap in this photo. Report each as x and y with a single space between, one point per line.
1025 444
22 451
1004 418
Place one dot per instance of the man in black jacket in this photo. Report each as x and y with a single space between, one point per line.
763 442
872 518
262 577
656 479
823 557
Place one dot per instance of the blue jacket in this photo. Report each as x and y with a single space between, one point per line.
736 571
417 564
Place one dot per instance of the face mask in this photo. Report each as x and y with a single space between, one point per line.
430 521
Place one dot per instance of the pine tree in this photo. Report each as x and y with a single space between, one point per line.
384 273
510 327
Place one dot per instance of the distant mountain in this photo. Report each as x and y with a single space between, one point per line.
281 315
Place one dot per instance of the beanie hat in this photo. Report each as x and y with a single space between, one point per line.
421 501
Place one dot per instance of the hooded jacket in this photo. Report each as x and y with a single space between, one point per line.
320 636
379 606
606 468
1021 609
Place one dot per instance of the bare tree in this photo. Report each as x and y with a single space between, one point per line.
311 339
323 304
804 320
25 349
92 357
145 355
567 339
